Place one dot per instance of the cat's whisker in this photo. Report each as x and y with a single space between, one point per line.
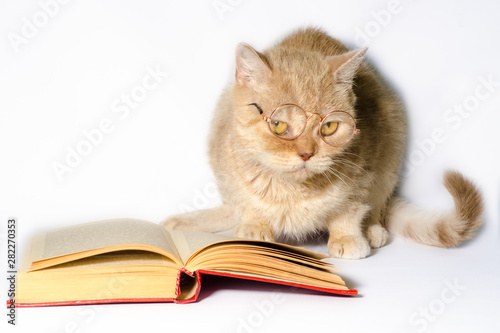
327 178
339 175
348 163
356 155
349 179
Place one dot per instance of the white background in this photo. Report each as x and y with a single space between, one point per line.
65 69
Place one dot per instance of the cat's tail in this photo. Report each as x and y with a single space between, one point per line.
444 229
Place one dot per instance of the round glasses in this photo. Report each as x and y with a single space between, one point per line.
289 121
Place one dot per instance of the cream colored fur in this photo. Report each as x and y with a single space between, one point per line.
270 191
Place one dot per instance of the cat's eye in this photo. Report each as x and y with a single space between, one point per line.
287 121
329 127
279 127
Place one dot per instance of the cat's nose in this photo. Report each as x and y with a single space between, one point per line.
305 156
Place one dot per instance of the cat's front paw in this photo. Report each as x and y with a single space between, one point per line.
258 231
349 247
377 235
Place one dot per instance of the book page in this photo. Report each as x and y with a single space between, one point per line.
129 259
97 235
188 243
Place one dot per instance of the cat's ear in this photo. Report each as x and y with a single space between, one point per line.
344 66
250 67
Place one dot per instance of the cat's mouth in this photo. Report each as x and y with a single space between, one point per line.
306 169
302 168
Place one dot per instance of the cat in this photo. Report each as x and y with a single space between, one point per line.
308 139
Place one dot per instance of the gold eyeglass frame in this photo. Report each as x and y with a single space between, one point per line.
268 121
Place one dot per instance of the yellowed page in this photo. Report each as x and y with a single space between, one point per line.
189 243
315 283
110 261
97 235
261 259
265 254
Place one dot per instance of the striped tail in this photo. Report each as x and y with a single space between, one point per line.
443 229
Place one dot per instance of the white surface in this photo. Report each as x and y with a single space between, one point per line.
69 74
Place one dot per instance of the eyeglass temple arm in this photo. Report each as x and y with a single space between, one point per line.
266 118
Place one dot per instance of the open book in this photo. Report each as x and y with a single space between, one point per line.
127 260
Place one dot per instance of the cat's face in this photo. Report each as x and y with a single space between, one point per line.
305 79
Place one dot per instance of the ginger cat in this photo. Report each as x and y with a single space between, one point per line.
308 139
